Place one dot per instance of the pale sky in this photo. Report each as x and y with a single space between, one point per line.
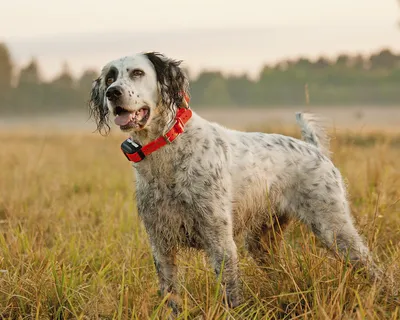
237 36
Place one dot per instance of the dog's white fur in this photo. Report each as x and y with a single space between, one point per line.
213 183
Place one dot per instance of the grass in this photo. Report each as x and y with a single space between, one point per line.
72 246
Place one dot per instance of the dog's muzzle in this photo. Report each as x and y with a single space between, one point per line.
114 93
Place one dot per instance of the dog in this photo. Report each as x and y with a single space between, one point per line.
199 185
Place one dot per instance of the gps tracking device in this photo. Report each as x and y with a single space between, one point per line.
130 148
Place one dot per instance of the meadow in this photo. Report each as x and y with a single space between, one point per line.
72 245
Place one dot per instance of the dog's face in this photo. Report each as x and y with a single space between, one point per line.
134 90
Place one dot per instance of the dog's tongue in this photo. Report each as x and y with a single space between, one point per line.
123 119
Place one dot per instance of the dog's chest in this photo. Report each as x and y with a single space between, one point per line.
174 198
177 186
169 212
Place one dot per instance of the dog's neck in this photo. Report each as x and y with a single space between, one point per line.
164 162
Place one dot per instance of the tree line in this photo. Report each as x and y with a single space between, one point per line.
346 80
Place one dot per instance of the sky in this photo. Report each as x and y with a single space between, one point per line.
232 36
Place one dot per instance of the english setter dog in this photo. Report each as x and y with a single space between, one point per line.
199 185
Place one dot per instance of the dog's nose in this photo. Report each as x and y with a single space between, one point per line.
114 93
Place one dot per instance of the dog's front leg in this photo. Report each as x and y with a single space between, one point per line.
167 271
223 255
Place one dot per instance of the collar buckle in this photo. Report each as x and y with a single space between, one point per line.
179 126
166 139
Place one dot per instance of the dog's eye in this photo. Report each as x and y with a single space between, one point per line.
137 73
109 81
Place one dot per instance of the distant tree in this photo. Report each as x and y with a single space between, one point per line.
86 80
303 63
200 85
206 76
84 86
216 93
65 80
30 74
321 63
384 60
61 93
358 62
29 92
6 69
267 72
281 66
342 61
239 89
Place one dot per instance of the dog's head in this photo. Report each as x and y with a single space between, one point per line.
137 90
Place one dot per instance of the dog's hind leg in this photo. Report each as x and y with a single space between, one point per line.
263 243
344 239
330 221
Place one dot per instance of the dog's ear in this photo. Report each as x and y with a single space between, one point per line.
98 108
172 81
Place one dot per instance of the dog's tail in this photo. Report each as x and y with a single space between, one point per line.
313 132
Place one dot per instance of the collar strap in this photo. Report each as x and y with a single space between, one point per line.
136 153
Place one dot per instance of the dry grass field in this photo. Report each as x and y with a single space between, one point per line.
72 246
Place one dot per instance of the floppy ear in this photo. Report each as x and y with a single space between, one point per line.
98 108
173 82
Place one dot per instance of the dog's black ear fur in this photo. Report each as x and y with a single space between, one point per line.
173 82
98 109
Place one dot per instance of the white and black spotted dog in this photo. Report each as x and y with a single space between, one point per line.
211 184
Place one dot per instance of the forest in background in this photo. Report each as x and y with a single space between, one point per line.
362 80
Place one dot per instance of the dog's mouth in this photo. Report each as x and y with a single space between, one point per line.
128 120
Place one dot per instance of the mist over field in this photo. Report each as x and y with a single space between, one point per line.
356 119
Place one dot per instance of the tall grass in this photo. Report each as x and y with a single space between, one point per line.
72 246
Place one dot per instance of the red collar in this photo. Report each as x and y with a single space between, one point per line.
136 153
